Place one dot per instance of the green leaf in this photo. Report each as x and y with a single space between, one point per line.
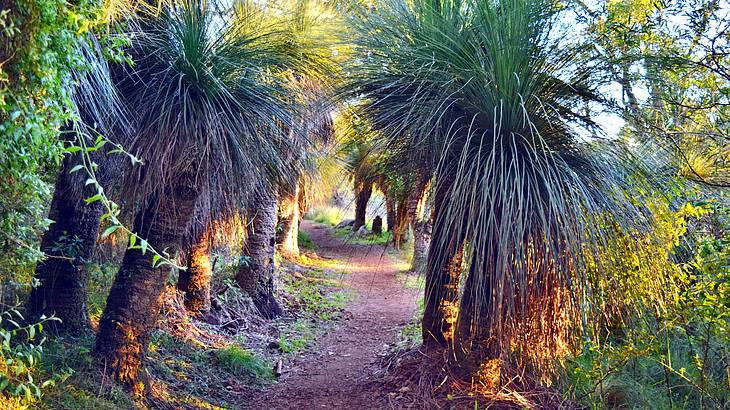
92 199
110 230
76 169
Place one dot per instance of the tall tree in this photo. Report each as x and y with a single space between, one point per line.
210 103
519 195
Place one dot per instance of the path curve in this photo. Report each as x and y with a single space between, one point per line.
338 373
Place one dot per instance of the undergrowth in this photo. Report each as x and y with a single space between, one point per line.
327 215
305 241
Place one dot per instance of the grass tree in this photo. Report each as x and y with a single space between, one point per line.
357 152
316 30
493 93
209 105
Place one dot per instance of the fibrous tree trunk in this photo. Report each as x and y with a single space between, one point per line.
473 343
390 213
400 228
194 281
443 271
257 276
134 301
420 224
289 218
69 245
363 191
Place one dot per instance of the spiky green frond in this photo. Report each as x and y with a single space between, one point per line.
492 94
209 94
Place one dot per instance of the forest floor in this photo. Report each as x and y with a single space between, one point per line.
340 372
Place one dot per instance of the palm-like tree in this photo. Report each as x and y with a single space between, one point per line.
491 92
357 151
211 103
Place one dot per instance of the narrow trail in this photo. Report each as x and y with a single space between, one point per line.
338 373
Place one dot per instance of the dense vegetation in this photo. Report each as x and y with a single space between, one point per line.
559 170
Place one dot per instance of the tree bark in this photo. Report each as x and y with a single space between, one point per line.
390 213
420 224
257 277
289 225
69 245
473 342
443 270
363 191
194 282
400 228
134 301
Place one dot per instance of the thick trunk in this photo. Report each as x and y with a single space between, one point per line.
194 282
257 276
420 224
473 344
363 191
134 301
400 228
390 213
69 245
288 237
443 270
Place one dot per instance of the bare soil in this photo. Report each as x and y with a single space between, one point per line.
339 372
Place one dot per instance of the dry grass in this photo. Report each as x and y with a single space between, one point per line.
420 378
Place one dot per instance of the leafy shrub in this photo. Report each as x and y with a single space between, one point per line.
673 354
20 354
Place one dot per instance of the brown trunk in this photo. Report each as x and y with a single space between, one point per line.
401 225
194 282
473 343
288 237
420 224
390 213
443 270
134 301
257 276
69 245
363 191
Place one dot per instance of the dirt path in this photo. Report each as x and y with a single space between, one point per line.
338 374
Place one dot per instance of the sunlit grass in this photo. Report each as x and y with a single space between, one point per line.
327 215
244 362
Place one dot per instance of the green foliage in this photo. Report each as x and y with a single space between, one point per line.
316 300
101 278
305 241
39 42
348 236
297 337
81 389
669 346
327 215
243 362
20 355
